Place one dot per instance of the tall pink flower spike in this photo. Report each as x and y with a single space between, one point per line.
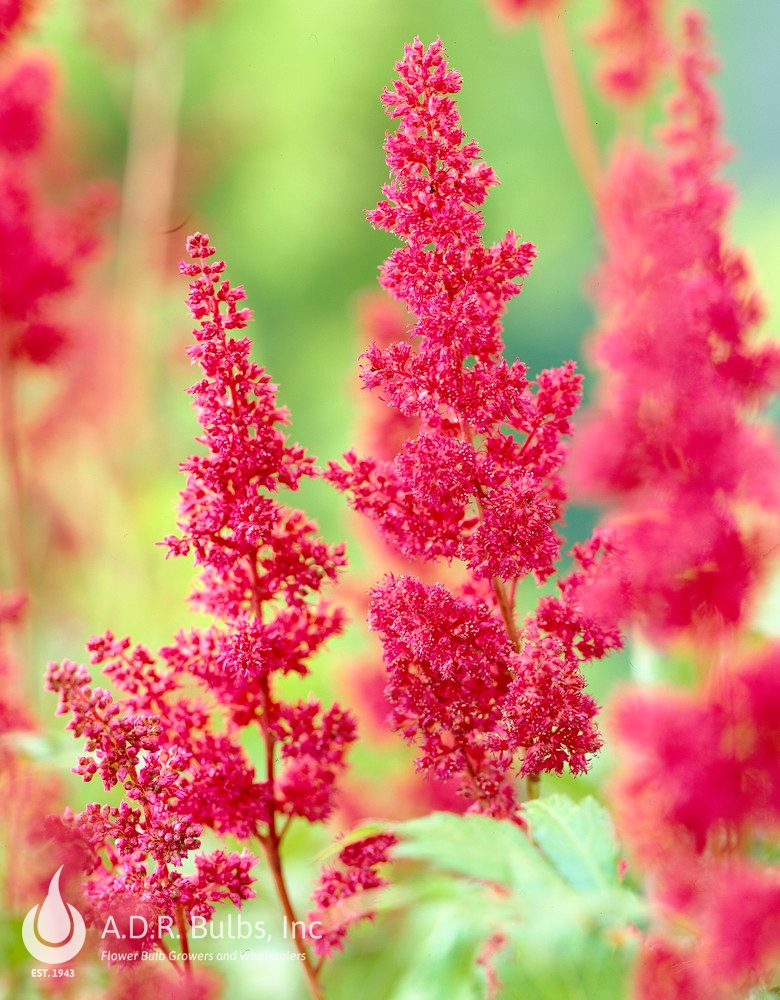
483 697
690 478
172 741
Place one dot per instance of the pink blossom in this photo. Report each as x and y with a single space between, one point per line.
339 895
671 446
44 245
13 17
633 35
172 739
698 800
702 762
479 483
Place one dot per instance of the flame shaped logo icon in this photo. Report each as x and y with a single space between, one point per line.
54 931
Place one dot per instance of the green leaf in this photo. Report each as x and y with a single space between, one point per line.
477 846
556 897
442 966
577 838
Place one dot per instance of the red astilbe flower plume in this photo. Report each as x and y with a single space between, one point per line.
344 889
382 431
172 741
697 799
47 239
672 446
45 245
633 35
479 483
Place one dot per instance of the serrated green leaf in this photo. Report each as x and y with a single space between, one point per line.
577 838
477 846
563 915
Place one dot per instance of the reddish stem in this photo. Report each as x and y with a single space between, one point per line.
181 924
271 843
506 607
569 101
167 952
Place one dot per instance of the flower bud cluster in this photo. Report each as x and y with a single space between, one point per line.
173 738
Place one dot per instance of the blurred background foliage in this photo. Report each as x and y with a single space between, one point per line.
275 113
260 123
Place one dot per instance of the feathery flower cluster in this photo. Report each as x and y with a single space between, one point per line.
634 37
161 752
479 483
698 799
181 768
339 896
693 482
44 245
671 447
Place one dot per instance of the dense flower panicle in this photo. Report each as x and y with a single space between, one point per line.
339 897
671 446
634 36
172 738
471 702
698 801
478 481
457 289
449 663
251 548
45 246
151 747
452 380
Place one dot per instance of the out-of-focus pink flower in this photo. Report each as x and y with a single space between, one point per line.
700 764
14 15
690 478
697 799
633 35
45 246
